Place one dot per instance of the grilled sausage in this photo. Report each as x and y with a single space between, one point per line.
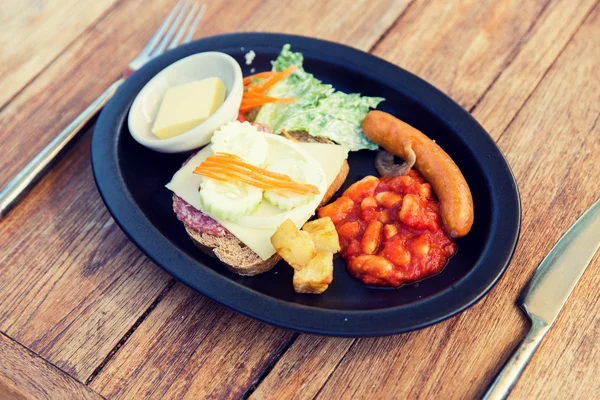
433 163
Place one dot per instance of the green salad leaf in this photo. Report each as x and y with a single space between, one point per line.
319 109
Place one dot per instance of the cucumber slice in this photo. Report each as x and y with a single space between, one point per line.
228 200
243 140
301 172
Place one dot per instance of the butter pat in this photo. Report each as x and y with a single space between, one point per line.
186 106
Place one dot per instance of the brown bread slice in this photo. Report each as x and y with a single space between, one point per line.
236 256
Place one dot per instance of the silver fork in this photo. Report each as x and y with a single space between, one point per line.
165 38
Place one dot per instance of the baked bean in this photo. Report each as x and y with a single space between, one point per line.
373 265
369 215
354 248
349 229
421 245
372 237
363 188
389 231
388 199
395 251
410 210
425 190
368 203
338 210
434 164
384 216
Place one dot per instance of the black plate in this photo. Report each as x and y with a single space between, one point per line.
131 180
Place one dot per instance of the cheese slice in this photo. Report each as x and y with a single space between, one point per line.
186 106
257 235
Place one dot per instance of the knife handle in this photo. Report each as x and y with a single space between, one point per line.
510 373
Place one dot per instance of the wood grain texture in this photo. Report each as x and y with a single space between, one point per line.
75 285
537 52
34 33
98 57
558 177
356 23
72 242
72 282
550 146
24 375
459 46
535 55
190 347
304 368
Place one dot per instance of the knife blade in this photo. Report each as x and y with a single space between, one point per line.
547 292
556 277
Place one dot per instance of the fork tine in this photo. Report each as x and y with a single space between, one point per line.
171 32
192 30
161 30
175 42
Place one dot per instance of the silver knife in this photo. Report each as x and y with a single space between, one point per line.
547 292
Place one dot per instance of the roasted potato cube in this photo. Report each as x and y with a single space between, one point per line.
294 246
316 276
323 233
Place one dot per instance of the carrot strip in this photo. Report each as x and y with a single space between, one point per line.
287 135
279 76
261 75
237 161
264 97
231 169
254 95
227 175
276 79
226 178
250 103
226 167
246 109
223 176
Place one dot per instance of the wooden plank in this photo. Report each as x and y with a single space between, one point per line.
459 46
549 37
532 60
88 67
190 347
358 23
23 375
73 284
551 145
564 111
304 368
34 33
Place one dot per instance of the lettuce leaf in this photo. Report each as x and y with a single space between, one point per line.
318 109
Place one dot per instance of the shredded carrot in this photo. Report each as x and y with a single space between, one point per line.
249 103
254 94
287 135
260 75
268 75
259 97
234 160
276 78
226 167
225 175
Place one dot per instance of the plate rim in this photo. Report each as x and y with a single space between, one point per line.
353 323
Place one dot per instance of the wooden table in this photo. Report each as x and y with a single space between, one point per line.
84 314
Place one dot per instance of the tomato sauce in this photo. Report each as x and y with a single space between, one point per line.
390 230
